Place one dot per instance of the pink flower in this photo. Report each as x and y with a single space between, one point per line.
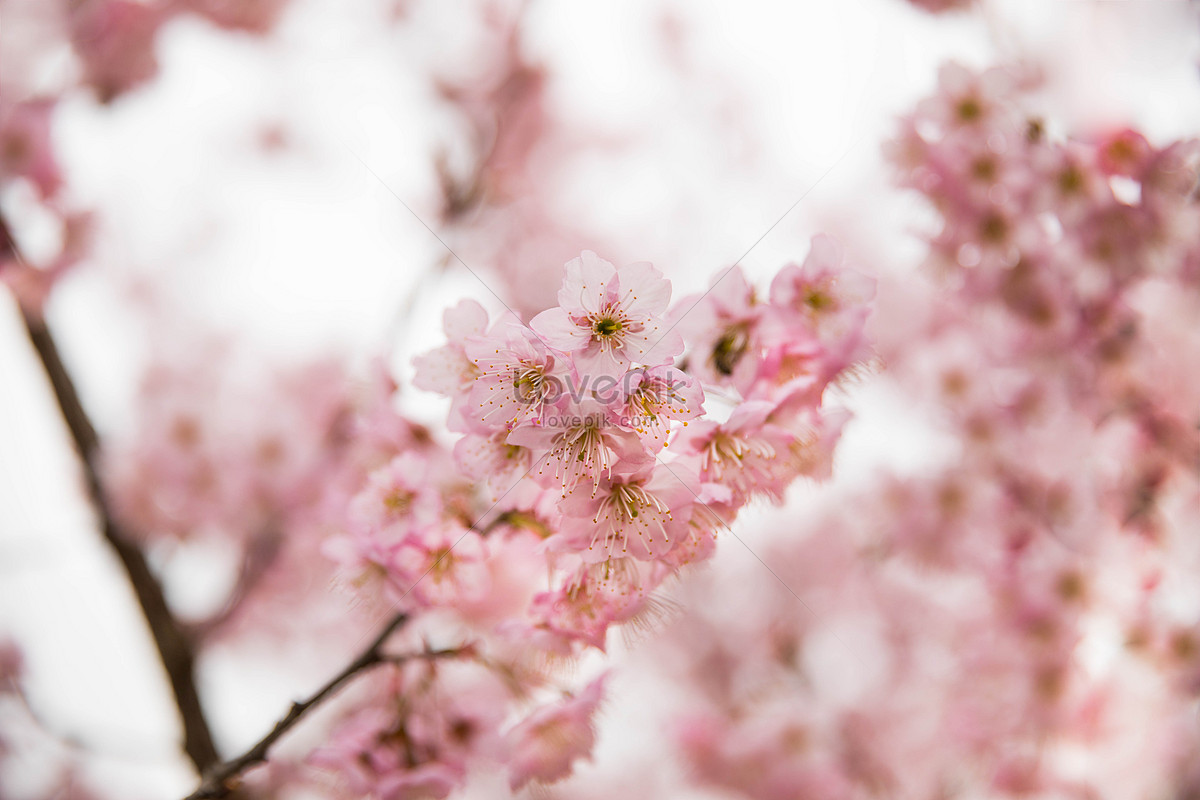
516 566
711 512
724 329
442 565
447 370
366 751
747 453
517 376
639 516
608 319
580 444
1125 152
492 459
590 600
968 101
546 744
398 492
650 398
458 719
829 299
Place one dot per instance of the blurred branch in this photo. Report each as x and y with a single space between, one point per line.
260 553
222 780
174 648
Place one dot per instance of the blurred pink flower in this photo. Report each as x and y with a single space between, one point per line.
546 744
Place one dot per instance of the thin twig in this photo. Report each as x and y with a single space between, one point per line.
222 779
174 649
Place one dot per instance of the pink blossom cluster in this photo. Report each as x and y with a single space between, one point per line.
426 728
259 464
585 401
586 473
1019 618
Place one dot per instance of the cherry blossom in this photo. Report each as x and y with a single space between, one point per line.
546 744
515 382
725 327
579 445
1007 609
640 515
609 319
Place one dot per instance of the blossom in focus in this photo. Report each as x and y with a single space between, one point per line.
608 318
516 380
641 515
580 445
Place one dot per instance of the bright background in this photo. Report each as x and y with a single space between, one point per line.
700 124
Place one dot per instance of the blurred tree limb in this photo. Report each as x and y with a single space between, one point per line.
175 649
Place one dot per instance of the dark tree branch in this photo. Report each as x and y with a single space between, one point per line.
174 648
222 779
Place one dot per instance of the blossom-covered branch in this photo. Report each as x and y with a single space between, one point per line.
221 780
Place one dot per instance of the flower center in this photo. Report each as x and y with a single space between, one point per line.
581 451
607 326
630 500
730 348
398 501
628 511
820 298
528 384
727 451
442 563
969 109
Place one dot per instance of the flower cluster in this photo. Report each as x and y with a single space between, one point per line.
587 472
257 465
1017 619
625 472
1016 616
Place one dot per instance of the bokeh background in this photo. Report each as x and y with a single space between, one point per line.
285 194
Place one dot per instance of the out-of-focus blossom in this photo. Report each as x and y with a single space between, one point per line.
973 598
939 6
12 665
26 145
115 41
546 744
